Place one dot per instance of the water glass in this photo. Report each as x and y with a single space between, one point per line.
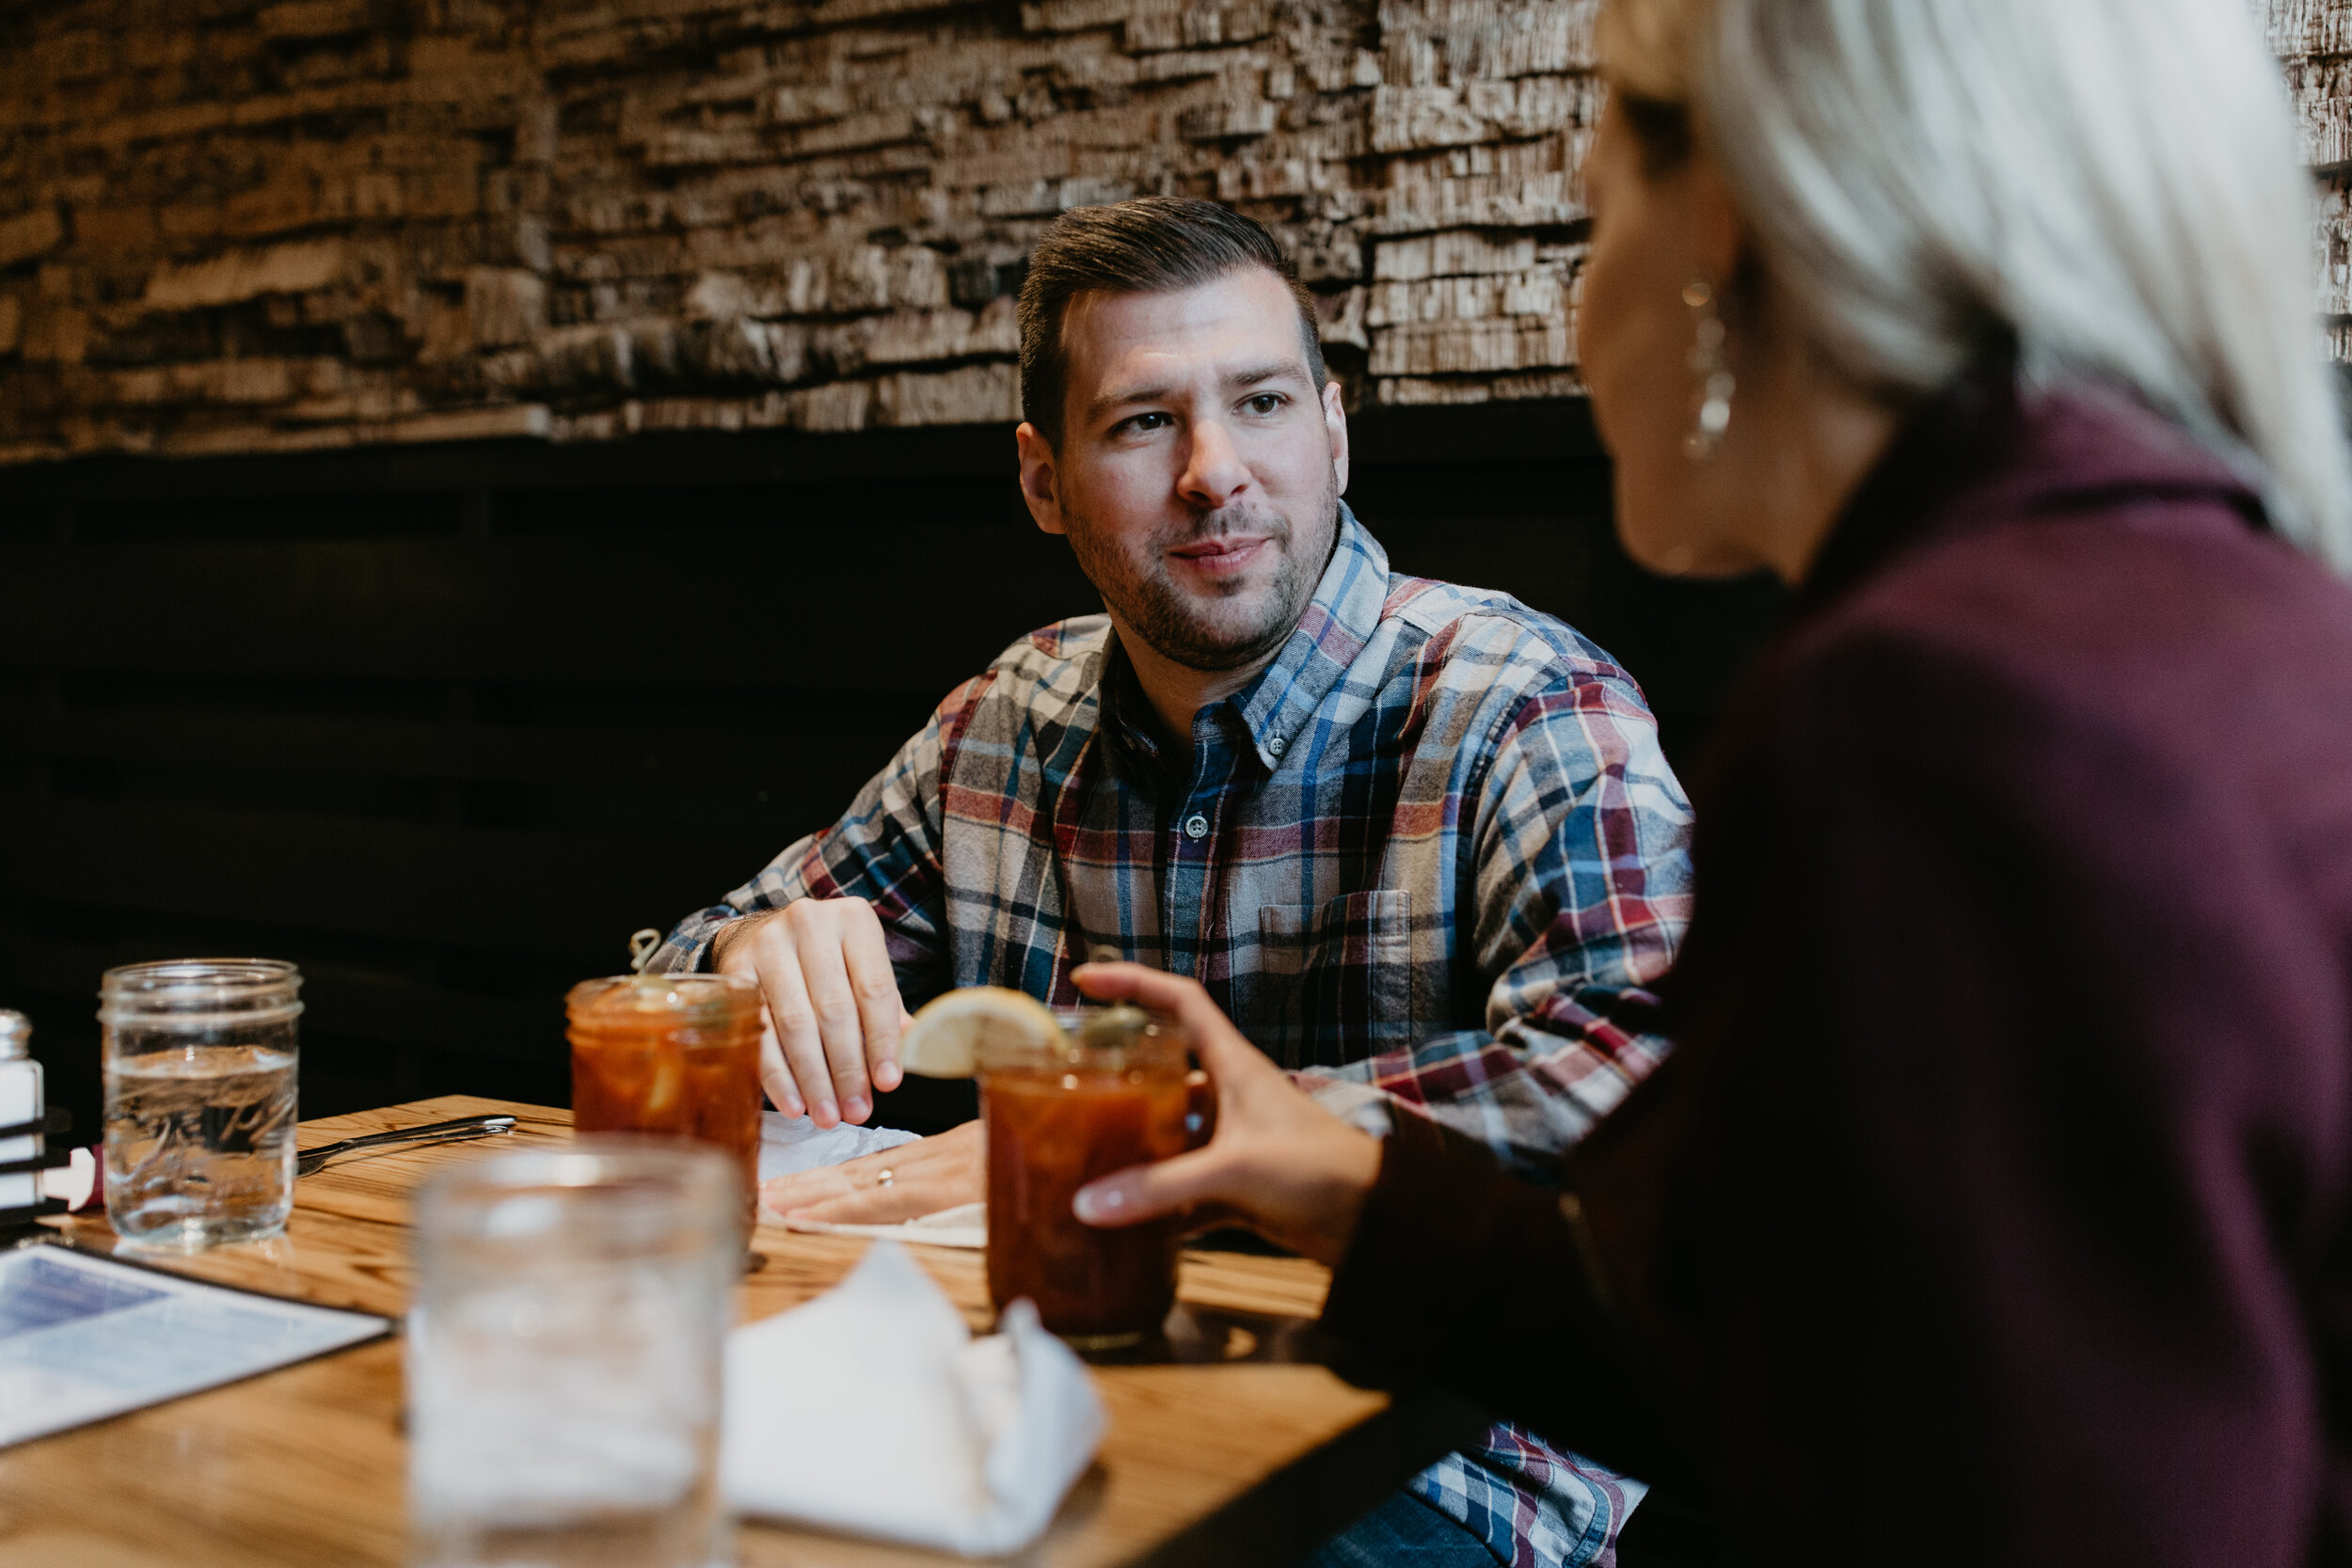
200 1056
563 1357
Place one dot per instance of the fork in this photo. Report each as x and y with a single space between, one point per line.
311 1160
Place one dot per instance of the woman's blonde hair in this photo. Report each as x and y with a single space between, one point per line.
2112 184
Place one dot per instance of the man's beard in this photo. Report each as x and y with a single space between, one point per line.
1173 623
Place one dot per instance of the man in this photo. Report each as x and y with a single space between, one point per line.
1417 840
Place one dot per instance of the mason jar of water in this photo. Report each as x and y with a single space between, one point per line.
200 1056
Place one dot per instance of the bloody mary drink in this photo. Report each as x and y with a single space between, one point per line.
1057 1119
673 1055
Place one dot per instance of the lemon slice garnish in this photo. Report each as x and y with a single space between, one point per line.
945 1038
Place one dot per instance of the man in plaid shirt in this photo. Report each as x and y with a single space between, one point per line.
1417 840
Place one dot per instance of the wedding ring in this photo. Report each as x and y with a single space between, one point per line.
886 1178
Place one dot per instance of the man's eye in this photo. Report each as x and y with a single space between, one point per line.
1137 424
1266 402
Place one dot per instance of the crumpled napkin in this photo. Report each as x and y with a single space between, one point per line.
873 1410
789 1145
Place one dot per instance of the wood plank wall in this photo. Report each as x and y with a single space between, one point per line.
445 724
283 225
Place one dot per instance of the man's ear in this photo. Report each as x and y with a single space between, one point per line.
1335 421
1038 485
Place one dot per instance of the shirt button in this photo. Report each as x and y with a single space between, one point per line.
1195 826
1276 745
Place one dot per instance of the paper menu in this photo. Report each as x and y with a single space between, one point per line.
83 1338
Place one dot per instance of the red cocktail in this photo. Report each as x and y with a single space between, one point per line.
670 1055
1056 1119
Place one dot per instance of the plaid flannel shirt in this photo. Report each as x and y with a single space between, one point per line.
1431 857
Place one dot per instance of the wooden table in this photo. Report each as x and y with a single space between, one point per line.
1240 1457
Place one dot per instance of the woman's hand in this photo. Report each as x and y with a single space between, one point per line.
1278 1163
925 1176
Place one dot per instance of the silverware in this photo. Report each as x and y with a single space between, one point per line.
311 1160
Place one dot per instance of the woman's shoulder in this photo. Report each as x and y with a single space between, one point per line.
2140 656
2112 563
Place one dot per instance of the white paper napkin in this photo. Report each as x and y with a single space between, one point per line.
789 1145
873 1410
964 1225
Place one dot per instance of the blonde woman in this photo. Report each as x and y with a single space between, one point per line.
1997 1205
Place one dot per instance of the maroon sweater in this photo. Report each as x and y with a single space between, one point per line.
1993 1208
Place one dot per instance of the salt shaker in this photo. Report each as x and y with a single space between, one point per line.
22 1119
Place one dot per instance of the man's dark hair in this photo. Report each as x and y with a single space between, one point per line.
1152 245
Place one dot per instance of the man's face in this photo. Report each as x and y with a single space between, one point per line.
1200 467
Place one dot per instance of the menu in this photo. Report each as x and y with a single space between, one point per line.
83 1337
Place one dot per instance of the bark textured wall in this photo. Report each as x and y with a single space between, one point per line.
2314 39
229 224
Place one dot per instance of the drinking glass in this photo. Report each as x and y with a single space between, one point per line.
1113 1095
563 1357
672 1054
199 1056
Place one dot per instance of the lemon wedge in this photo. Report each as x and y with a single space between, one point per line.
945 1038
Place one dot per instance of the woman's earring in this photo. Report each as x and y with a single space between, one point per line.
1715 383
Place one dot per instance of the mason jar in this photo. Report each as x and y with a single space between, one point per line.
199 1056
1112 1093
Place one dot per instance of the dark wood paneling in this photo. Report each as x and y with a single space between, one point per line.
517 892
444 725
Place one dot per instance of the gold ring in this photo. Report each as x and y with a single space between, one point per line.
886 1177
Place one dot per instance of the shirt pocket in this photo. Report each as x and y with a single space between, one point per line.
1337 978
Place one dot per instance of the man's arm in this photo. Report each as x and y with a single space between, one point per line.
1581 845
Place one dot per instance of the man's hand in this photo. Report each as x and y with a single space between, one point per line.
1278 1163
925 1176
833 1013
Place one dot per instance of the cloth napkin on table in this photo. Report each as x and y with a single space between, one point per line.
792 1144
873 1410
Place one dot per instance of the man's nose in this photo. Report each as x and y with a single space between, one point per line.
1215 473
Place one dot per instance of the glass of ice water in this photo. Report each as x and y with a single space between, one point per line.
563 1357
199 1058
